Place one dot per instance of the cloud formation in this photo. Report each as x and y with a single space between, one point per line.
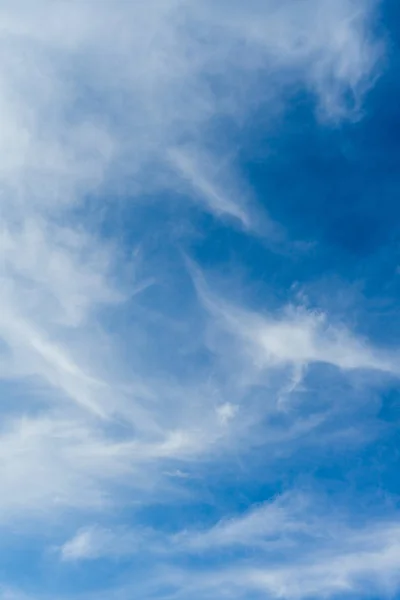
125 387
289 547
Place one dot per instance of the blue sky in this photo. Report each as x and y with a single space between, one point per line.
199 325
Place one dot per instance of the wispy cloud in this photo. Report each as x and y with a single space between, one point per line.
293 336
115 401
290 547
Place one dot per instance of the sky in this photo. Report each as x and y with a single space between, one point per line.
199 292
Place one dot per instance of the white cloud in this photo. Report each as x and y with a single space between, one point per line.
299 548
80 547
298 545
304 337
89 92
93 96
362 562
219 201
226 412
353 572
110 100
267 523
96 542
296 336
